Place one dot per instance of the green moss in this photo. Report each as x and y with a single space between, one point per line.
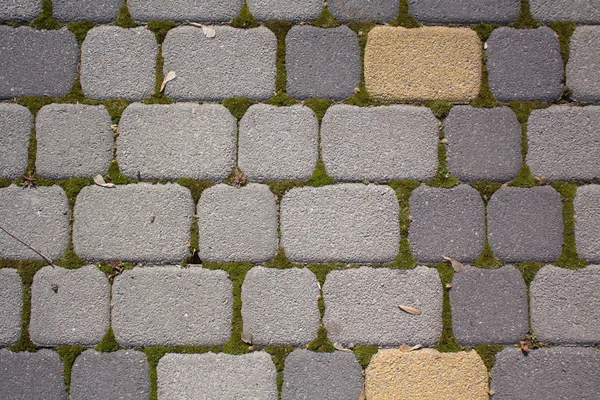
45 20
525 19
237 106
281 261
69 259
124 19
282 99
487 259
565 30
158 96
447 342
80 29
488 352
361 97
524 178
485 98
404 259
115 176
320 176
440 108
280 29
364 354
404 18
115 108
196 187
326 20
319 106
109 342
73 186
244 19
321 343
484 30
443 177
160 28
280 187
403 190
486 188
529 270
4 182
522 110
278 355
321 270
68 354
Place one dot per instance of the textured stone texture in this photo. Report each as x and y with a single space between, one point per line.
11 305
380 143
464 11
166 306
89 10
580 11
280 306
429 63
73 140
193 376
483 143
525 224
278 143
583 68
21 10
236 62
15 124
291 10
525 64
118 62
587 221
170 141
345 223
363 10
322 62
185 10
37 62
140 222
362 306
446 223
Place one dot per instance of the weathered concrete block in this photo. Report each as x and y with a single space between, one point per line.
11 305
15 124
298 10
583 68
86 10
185 10
580 11
22 10
587 221
361 10
465 11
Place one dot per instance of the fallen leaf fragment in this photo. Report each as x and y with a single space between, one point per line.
168 78
407 349
247 337
410 310
341 348
457 266
99 180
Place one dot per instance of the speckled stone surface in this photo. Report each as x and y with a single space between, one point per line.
363 10
103 11
185 10
11 306
21 10
464 11
587 220
583 68
15 124
580 11
290 10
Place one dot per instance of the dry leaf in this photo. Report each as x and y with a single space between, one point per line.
444 141
485 46
247 337
410 310
99 180
209 31
407 349
524 346
457 266
341 348
168 78
491 392
448 286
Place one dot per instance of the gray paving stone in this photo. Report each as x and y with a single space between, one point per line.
555 373
580 11
525 224
143 222
39 217
185 10
22 10
170 141
217 376
380 143
525 64
11 305
234 63
344 223
321 376
15 124
361 10
279 306
483 143
278 143
322 62
73 140
583 68
123 375
168 306
464 11
299 10
446 223
89 10
587 221
118 62
237 224
361 306
37 63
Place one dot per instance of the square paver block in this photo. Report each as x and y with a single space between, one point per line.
118 62
291 10
185 10
580 11
22 10
168 306
587 221
15 128
279 306
11 305
278 143
237 224
73 140
465 11
322 62
364 10
583 68
170 141
362 306
525 224
343 223
69 306
380 143
525 64
86 10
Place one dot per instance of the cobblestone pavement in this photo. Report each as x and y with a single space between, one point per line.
275 199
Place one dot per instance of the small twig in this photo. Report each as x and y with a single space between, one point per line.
47 259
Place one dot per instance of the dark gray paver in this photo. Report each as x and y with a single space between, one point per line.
345 223
236 62
298 10
587 221
380 143
555 373
525 224
361 306
580 11
21 10
583 68
483 143
140 222
185 10
170 141
525 64
167 306
489 306
279 306
88 10
15 124
446 223
465 11
322 62
11 304
118 62
361 10
37 63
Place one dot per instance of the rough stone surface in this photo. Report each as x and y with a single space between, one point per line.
170 141
39 217
291 10
140 222
37 62
583 68
429 63
489 306
279 306
321 376
15 124
446 223
464 11
362 306
555 373
123 375
525 224
185 10
278 143
118 62
22 10
234 63
89 10
525 64
380 143
73 140
564 143
193 376
345 223
580 11
11 305
587 221
361 10
167 306
483 143
237 224
322 62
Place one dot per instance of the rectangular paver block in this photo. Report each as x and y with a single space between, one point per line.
86 10
583 68
364 10
580 11
465 11
185 10
11 305
587 221
21 10
15 124
291 10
